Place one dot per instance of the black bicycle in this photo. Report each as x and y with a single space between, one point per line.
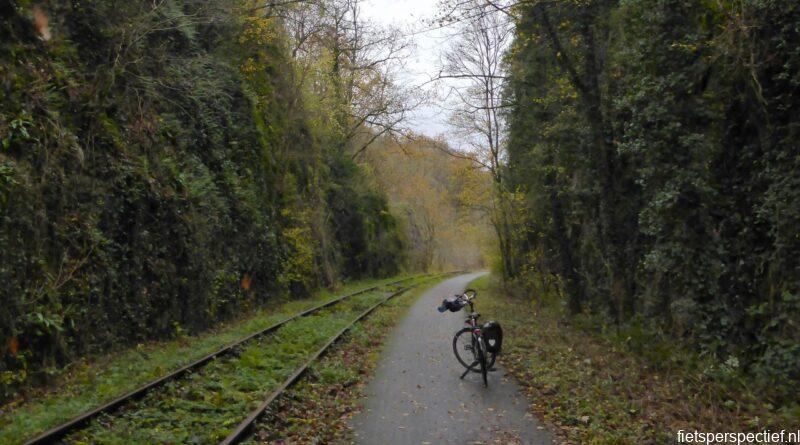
475 346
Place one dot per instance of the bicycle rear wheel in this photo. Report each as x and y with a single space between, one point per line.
465 351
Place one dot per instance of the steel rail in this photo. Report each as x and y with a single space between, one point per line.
242 431
56 433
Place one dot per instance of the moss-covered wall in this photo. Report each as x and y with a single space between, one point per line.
157 174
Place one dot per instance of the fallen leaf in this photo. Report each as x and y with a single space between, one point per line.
13 346
42 23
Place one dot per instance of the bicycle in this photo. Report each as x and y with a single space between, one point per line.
472 340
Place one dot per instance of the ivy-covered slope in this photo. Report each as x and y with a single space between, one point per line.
158 172
654 147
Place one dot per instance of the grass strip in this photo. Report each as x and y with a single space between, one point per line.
597 389
207 405
317 408
86 384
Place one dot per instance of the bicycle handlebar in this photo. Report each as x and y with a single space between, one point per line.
468 295
461 300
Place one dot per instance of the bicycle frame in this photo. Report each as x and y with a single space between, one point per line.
473 323
475 331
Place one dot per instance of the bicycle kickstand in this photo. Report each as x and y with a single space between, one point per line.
468 370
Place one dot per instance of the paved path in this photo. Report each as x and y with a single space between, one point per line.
416 396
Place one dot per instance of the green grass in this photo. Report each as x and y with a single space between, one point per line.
606 387
205 407
317 408
87 384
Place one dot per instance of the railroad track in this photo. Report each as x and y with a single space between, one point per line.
243 430
58 433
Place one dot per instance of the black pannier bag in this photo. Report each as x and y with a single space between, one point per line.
451 304
492 336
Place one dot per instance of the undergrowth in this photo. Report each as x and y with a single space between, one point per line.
621 386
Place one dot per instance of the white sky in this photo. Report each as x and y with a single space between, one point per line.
413 16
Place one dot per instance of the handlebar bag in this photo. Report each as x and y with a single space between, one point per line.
451 304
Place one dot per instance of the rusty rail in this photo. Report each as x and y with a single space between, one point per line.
242 431
56 433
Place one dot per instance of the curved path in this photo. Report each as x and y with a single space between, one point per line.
416 396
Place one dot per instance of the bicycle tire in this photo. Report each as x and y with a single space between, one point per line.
482 359
467 363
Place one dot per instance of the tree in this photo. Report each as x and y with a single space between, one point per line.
353 66
426 190
645 138
473 67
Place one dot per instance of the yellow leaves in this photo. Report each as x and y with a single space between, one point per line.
299 267
258 30
42 23
688 47
250 66
246 282
261 32
565 89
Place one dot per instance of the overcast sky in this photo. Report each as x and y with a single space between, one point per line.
414 16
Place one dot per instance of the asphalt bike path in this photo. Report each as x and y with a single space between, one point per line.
416 396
